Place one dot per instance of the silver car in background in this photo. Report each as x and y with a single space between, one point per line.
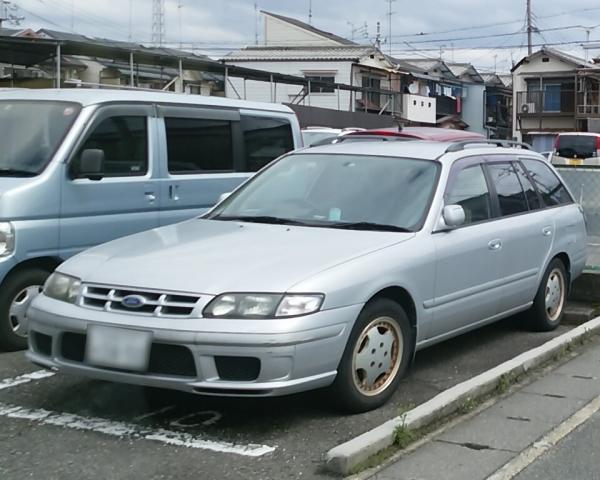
329 268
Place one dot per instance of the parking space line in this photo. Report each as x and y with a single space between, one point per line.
122 429
28 377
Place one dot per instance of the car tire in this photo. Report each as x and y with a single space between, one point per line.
375 359
17 292
549 303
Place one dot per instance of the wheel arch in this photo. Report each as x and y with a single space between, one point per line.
45 263
403 297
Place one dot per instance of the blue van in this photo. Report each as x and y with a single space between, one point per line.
79 167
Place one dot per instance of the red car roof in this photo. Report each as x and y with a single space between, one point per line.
424 133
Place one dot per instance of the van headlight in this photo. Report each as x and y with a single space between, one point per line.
263 305
7 239
62 287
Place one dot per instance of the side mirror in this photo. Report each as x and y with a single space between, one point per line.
91 164
453 215
223 196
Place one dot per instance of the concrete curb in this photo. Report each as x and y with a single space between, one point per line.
342 459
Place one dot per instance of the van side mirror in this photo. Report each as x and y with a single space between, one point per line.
453 215
91 164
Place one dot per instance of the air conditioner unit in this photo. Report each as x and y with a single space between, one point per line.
528 108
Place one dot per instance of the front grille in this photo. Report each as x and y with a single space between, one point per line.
151 303
72 346
240 369
171 360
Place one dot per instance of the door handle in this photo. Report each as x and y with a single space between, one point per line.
174 192
495 244
547 231
150 197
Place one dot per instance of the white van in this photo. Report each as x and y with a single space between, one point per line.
577 149
80 167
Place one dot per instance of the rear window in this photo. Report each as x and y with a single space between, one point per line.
550 187
577 146
265 139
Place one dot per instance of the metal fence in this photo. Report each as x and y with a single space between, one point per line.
585 186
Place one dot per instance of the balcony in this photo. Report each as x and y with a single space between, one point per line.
588 104
549 102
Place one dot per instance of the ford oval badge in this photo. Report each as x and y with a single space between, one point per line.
133 301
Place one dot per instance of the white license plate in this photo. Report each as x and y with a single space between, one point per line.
118 348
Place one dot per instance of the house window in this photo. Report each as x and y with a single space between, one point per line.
315 88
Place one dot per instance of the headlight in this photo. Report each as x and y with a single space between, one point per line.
62 287
7 239
262 305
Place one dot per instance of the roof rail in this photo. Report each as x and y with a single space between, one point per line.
458 146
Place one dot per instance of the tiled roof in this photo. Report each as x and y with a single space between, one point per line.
310 28
300 53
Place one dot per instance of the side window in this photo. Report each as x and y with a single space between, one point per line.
550 187
469 190
124 140
197 145
265 139
533 200
511 197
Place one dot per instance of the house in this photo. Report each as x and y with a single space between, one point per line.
324 59
553 92
498 105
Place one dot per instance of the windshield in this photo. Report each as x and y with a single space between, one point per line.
338 191
30 133
577 146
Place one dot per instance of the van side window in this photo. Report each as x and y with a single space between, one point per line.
511 197
470 191
550 187
533 200
124 140
196 145
265 139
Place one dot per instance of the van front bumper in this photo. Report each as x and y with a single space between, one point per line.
269 358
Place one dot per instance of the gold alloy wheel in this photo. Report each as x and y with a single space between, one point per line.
555 294
377 356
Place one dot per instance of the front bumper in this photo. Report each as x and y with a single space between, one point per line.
208 356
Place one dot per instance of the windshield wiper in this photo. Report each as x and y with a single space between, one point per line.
260 219
16 173
370 226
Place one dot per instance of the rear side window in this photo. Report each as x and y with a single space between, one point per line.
124 140
577 146
551 189
265 139
511 197
533 200
469 190
197 145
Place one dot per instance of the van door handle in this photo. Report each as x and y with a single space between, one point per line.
547 231
150 197
174 192
495 244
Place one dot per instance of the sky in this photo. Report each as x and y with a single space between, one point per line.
488 34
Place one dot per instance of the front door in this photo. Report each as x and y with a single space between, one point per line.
125 199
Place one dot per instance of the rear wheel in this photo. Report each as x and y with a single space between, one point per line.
16 294
549 303
375 358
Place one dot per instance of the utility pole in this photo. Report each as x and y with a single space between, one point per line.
255 23
378 36
529 29
130 20
310 12
179 7
158 22
390 13
6 8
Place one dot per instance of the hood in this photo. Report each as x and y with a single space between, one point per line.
213 257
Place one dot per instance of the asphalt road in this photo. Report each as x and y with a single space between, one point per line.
64 427
576 457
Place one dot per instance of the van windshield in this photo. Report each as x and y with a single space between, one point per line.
30 134
576 146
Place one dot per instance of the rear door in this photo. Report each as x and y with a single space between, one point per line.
467 286
528 230
125 200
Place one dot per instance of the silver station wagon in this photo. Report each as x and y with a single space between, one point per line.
329 268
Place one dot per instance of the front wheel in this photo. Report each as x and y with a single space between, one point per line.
375 358
549 303
16 294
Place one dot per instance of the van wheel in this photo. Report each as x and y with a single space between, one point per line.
375 359
16 294
549 303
